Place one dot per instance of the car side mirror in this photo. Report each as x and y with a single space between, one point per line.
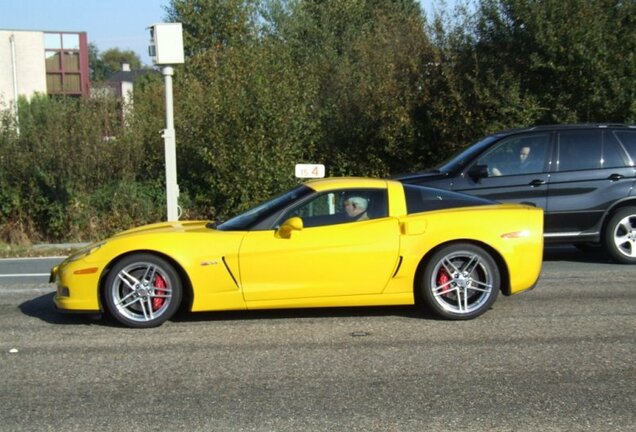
292 224
477 172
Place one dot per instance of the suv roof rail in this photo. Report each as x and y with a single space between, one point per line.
565 126
581 125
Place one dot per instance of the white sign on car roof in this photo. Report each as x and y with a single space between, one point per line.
310 170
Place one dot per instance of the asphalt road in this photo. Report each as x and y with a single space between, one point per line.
24 271
559 358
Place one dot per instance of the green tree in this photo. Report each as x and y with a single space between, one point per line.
242 108
471 94
365 57
114 57
104 64
213 24
274 83
98 69
576 57
512 63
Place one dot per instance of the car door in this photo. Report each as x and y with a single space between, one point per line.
590 174
507 176
330 256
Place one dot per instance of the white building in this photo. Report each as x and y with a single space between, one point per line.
47 62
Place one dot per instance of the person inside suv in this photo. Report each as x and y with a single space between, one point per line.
527 163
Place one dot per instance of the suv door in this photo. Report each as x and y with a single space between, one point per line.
590 174
503 174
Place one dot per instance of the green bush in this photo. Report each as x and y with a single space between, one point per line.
70 165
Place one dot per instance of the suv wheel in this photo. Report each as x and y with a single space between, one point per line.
620 236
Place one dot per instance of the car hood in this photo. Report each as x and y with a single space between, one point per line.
179 240
165 227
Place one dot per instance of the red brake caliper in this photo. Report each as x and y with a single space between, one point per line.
157 302
442 279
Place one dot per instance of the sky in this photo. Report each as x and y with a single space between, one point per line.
108 23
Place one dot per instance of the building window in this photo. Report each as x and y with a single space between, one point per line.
65 71
71 61
53 61
71 41
52 41
72 83
54 83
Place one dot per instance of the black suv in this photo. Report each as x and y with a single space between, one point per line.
583 176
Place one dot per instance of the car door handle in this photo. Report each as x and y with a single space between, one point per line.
537 182
615 177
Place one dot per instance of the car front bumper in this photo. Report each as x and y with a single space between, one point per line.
77 286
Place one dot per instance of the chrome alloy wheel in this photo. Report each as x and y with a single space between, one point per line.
625 236
462 283
141 291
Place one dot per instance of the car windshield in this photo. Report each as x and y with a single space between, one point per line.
245 221
459 161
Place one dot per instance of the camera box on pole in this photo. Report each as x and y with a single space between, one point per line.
166 44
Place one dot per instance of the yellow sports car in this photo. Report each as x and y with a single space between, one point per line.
327 242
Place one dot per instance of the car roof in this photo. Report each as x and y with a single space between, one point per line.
333 183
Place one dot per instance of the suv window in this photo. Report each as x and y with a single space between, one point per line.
517 155
613 155
579 150
628 139
585 150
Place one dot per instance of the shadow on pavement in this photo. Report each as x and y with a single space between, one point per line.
335 312
571 253
42 307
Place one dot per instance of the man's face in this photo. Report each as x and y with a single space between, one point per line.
352 208
523 154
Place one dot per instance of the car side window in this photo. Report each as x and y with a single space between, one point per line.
612 155
628 139
344 206
579 150
525 154
421 199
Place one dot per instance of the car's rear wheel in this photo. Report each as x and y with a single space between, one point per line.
620 236
142 290
460 281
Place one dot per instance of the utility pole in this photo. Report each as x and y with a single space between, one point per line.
170 144
166 50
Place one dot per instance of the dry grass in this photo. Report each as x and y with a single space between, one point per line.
37 250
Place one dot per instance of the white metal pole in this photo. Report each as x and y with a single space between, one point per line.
14 68
172 189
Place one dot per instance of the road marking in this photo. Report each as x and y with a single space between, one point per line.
34 258
25 275
26 289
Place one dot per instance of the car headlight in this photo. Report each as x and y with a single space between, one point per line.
84 252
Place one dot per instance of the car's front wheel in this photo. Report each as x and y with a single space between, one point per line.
620 236
460 281
142 290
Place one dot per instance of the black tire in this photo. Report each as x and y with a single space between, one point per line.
460 282
142 291
619 238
